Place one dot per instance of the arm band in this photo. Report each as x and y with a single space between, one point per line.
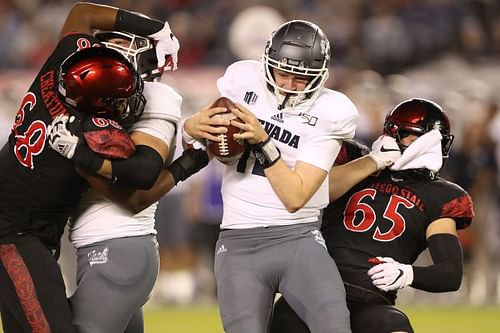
87 159
266 152
136 23
446 272
190 162
140 170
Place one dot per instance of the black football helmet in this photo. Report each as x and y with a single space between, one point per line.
102 82
301 48
139 50
418 116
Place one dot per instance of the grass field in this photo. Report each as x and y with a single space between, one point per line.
205 319
424 319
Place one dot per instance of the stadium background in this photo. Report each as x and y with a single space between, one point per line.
383 52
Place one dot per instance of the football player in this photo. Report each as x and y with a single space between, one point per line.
379 223
270 240
117 250
38 188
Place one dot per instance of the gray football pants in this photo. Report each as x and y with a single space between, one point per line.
252 265
114 280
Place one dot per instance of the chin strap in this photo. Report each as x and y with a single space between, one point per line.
285 100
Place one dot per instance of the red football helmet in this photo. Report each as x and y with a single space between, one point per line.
102 82
418 116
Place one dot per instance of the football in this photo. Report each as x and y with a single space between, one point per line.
229 150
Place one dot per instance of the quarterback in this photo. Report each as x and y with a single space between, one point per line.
270 240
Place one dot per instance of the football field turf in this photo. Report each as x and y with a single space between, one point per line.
425 319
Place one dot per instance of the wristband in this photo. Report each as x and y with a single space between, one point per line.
266 152
185 136
136 23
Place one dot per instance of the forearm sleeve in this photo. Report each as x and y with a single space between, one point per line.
136 23
446 272
140 170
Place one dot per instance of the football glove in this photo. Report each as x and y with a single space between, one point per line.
65 136
60 138
385 151
390 274
167 47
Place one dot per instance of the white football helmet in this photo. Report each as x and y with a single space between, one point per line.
139 50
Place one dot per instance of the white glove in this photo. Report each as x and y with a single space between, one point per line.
391 275
385 151
167 47
60 138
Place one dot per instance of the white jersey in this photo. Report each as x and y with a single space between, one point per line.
310 133
97 218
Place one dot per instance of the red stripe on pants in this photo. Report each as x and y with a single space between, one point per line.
25 289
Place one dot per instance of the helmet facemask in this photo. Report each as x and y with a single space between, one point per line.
139 50
128 109
300 48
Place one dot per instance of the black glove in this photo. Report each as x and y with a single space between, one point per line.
190 162
65 136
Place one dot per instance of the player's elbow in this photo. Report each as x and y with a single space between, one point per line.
455 279
82 9
136 206
454 273
293 206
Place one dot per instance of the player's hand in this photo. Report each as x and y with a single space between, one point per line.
385 151
61 138
251 128
203 126
167 47
65 136
390 274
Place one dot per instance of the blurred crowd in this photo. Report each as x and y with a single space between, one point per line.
387 36
383 52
